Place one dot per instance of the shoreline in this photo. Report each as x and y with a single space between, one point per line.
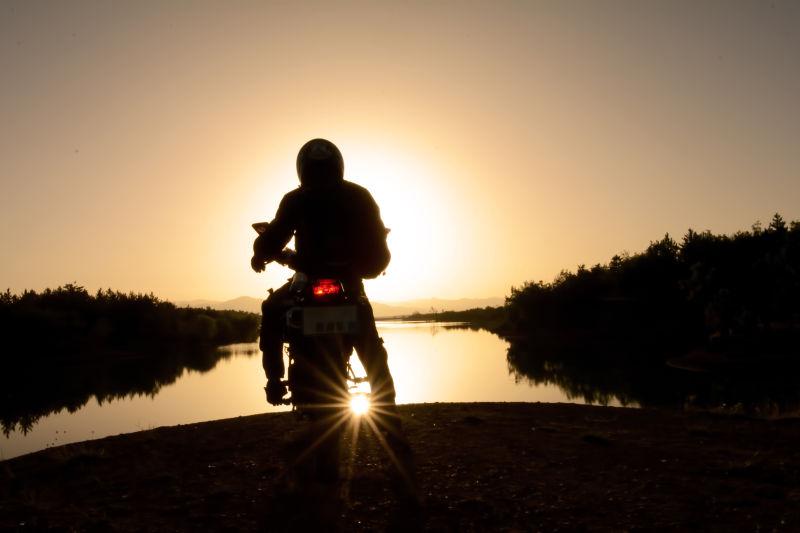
499 466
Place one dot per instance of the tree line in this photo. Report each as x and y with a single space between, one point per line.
738 293
68 321
727 304
64 346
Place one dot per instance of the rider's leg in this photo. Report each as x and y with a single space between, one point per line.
373 356
375 360
271 339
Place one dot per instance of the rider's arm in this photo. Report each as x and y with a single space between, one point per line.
279 233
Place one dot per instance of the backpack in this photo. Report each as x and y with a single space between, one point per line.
374 255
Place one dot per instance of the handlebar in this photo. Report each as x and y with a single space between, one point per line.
285 257
288 257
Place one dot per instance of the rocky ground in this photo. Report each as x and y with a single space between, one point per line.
481 467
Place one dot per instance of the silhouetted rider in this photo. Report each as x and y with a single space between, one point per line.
338 232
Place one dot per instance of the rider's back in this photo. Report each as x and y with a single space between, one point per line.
335 226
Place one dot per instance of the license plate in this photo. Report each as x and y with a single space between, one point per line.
330 320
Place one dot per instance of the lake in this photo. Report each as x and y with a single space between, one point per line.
430 363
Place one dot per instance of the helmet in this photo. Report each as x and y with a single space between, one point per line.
319 162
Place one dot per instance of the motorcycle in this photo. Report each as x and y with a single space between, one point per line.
319 330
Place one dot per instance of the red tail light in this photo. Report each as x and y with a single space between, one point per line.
323 288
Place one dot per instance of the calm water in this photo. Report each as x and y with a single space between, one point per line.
429 362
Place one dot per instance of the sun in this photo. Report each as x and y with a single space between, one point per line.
359 404
418 209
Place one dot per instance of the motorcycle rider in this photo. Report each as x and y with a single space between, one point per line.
338 232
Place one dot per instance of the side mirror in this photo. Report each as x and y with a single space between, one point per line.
260 227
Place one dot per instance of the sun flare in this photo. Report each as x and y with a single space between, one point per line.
359 404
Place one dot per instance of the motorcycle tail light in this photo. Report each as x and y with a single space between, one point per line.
323 288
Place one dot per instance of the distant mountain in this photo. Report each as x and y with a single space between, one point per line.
439 304
382 310
242 303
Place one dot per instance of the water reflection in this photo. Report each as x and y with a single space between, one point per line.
231 386
640 376
450 363
32 393
430 363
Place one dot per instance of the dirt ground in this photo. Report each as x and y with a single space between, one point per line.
481 467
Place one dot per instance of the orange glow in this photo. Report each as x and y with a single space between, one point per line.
503 142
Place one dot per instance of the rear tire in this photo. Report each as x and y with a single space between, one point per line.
318 383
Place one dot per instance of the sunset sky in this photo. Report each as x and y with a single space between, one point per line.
504 141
